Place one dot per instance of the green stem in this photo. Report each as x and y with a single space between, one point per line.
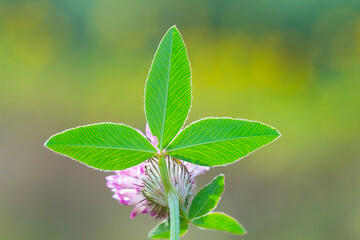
173 202
174 217
164 174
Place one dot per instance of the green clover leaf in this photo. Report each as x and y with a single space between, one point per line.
207 142
220 222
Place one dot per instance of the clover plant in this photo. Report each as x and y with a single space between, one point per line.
155 172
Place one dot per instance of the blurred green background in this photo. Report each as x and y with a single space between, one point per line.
292 64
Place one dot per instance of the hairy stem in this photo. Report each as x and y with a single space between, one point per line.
173 201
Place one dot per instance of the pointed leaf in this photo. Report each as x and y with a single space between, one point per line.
106 146
207 198
221 222
162 230
168 88
220 141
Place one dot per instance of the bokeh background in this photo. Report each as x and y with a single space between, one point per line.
292 64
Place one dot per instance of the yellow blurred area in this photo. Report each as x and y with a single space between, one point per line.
292 64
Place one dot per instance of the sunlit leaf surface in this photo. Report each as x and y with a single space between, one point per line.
168 88
207 198
221 222
220 141
106 146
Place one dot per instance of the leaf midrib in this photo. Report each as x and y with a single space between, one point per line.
167 95
222 140
84 146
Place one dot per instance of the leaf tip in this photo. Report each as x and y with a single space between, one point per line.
174 27
46 143
221 177
277 131
241 231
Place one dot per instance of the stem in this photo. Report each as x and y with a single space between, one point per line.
173 202
174 217
164 174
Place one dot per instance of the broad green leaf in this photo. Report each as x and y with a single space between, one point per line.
168 88
220 141
106 146
221 222
162 230
207 198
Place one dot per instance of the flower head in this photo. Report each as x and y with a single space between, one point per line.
141 186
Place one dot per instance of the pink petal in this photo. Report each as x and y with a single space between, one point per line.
196 170
140 132
118 183
153 139
127 196
140 208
